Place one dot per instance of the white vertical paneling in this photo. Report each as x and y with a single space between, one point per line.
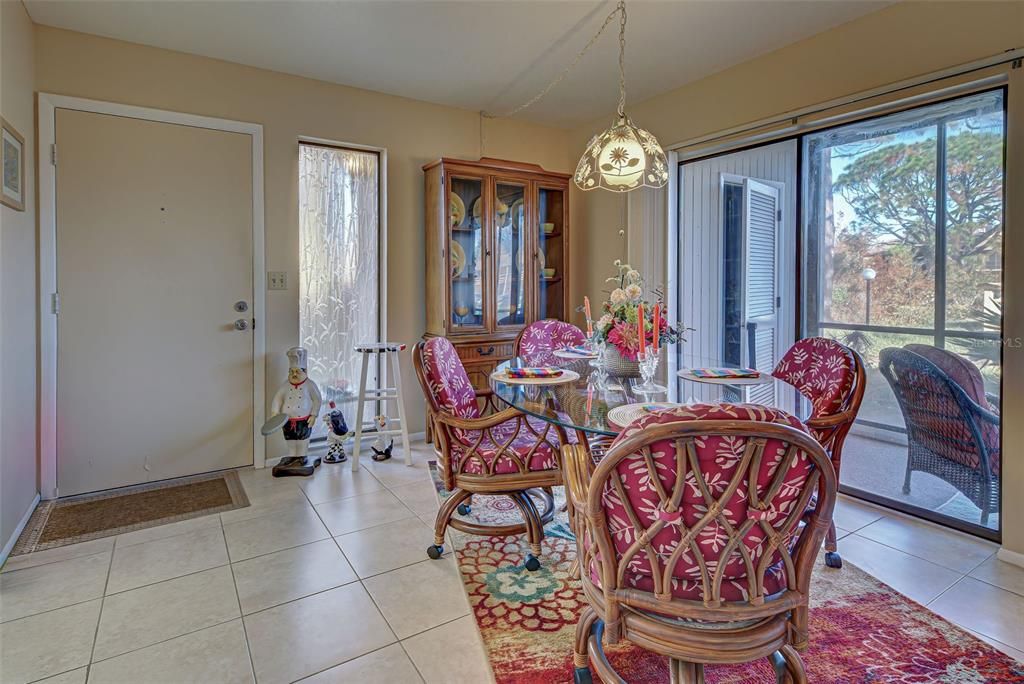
700 248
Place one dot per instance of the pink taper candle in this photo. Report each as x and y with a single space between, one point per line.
640 328
657 325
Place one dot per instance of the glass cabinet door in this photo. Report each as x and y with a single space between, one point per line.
510 257
551 250
466 248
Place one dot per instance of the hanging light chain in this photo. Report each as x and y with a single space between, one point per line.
622 58
620 9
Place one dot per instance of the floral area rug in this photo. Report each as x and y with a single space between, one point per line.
861 629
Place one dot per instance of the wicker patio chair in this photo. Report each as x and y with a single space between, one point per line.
950 434
696 542
831 376
484 450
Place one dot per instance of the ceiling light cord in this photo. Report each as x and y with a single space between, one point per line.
622 57
620 9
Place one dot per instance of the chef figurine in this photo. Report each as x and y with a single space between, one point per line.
299 400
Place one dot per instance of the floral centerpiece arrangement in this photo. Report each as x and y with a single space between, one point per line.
619 326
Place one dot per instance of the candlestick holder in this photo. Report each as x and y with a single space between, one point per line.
648 368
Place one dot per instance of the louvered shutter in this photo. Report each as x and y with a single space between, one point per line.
761 222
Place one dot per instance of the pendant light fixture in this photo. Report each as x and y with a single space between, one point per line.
625 156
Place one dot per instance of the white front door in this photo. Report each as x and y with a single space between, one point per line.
154 250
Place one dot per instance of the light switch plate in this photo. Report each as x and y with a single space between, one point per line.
277 280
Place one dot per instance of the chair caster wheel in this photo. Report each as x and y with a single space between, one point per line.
463 509
532 563
435 551
581 675
833 560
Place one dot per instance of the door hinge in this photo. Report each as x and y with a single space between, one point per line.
53 154
778 215
55 303
778 305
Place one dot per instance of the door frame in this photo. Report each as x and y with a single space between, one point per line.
47 105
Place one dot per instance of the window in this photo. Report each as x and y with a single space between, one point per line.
903 231
340 273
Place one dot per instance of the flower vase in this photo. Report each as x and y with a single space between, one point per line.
616 364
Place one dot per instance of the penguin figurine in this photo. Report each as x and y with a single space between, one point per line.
337 431
381 452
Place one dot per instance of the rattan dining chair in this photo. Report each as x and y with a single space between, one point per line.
537 341
831 376
484 450
694 542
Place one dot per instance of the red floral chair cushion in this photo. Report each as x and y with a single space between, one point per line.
822 369
447 379
540 339
718 457
479 452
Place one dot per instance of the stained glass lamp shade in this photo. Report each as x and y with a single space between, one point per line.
621 159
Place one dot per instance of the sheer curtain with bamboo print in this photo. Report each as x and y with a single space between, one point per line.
339 266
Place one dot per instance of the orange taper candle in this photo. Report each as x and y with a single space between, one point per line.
640 328
657 324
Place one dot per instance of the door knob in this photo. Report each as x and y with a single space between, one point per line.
241 324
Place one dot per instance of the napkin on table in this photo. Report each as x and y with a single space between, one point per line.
726 373
542 372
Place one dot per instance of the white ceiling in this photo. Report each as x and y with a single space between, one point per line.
475 54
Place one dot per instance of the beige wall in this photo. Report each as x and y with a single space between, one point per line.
18 479
902 41
1013 328
413 132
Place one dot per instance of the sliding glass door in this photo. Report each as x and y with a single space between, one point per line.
902 220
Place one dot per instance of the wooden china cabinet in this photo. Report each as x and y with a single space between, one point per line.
497 255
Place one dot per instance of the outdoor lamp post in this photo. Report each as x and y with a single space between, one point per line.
868 274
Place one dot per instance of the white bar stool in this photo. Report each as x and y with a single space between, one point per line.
391 350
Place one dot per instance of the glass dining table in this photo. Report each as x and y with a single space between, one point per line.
598 403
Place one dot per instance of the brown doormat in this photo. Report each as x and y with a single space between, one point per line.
93 516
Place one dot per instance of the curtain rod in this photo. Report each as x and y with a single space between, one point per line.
1012 55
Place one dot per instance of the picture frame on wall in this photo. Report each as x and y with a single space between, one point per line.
12 147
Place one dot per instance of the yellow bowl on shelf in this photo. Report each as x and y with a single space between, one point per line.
549 273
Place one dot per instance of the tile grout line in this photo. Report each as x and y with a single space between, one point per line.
99 617
419 673
928 560
314 674
43 565
164 641
57 560
238 600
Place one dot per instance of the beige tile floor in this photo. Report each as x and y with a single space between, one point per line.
325 580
